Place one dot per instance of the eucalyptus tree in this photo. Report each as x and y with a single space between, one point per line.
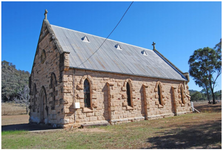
218 46
205 68
13 82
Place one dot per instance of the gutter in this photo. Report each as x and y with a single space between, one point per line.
128 74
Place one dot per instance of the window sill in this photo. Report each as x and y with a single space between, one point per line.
160 106
129 108
87 110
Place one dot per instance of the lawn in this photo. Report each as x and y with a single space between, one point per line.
195 130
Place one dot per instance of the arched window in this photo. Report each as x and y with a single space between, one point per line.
159 95
181 93
87 102
43 105
43 56
128 94
53 85
53 80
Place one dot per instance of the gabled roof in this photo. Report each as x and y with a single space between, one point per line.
113 56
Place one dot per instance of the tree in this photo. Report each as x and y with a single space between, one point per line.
206 94
218 46
218 95
205 68
196 96
13 82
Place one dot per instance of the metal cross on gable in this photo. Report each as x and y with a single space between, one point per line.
46 11
154 48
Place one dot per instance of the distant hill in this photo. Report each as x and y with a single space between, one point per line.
14 83
192 91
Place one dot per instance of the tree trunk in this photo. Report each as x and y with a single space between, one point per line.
212 91
208 96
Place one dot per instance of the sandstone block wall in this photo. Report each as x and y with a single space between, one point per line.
48 110
109 103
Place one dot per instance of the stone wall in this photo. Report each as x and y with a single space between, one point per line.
109 98
46 95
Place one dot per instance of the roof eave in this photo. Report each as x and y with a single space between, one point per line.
128 74
172 65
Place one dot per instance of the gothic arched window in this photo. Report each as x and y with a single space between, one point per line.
159 95
87 97
43 105
43 56
128 92
53 86
181 93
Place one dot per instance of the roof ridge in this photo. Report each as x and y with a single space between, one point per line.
103 38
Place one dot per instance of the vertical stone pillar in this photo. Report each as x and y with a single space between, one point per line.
174 100
109 85
145 101
64 61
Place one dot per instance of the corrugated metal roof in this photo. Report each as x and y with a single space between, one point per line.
108 58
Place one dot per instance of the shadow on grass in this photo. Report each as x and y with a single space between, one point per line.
26 127
207 135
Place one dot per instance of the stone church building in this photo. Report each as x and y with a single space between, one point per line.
76 81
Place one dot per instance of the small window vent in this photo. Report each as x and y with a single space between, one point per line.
117 46
85 39
144 53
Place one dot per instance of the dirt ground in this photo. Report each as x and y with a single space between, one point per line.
21 122
205 107
15 119
13 109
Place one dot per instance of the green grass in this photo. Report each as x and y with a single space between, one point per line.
197 130
14 132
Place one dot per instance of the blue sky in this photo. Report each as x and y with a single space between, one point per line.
177 28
